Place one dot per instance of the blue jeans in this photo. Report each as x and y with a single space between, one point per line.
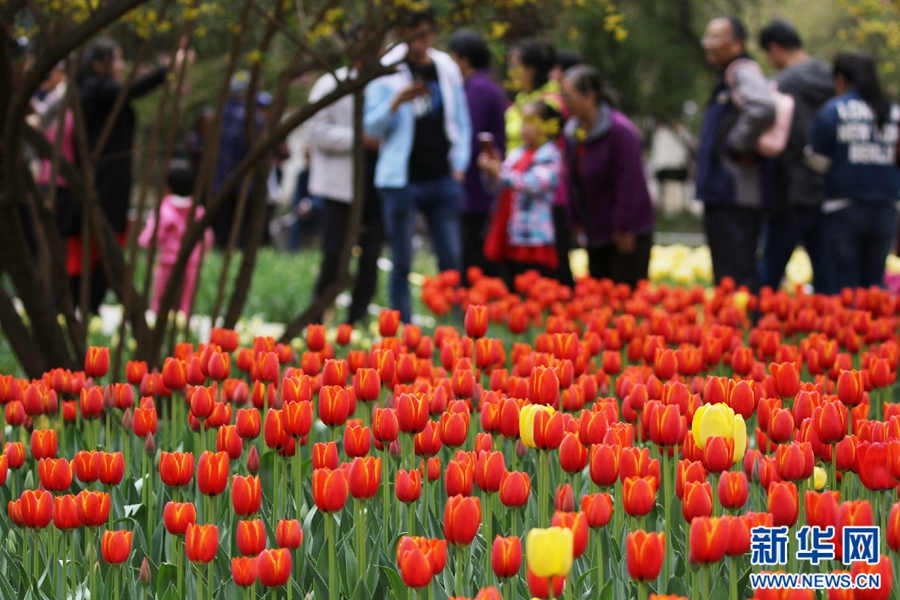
440 201
781 234
857 240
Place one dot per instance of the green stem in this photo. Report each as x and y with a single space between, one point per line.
598 543
488 537
332 557
733 578
298 490
360 539
704 577
410 519
460 567
385 486
116 570
179 564
642 591
209 579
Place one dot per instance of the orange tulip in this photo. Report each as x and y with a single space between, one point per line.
246 495
489 470
96 361
408 486
795 461
93 508
329 489
364 477
65 513
201 542
639 495
36 508
697 500
783 503
55 474
415 567
708 540
212 473
733 489
462 516
515 487
476 321
597 508
176 469
289 534
115 546
644 554
251 537
243 571
273 567
506 556
177 516
111 468
577 523
43 443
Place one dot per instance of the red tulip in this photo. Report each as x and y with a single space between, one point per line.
872 466
273 567
388 322
644 552
289 534
364 477
201 542
65 513
176 469
243 571
115 546
248 423
412 412
489 470
212 473
783 503
476 321
577 523
385 427
96 361
111 468
251 537
416 569
408 486
795 461
462 516
697 500
177 516
93 508
43 443
325 455
55 474
36 508
787 379
515 487
639 495
246 495
708 540
733 489
329 489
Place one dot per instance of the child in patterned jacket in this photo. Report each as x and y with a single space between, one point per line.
521 234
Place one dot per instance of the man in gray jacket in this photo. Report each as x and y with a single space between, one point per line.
733 181
799 191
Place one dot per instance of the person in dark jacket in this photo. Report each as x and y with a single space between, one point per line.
99 86
734 183
607 183
799 191
853 143
487 105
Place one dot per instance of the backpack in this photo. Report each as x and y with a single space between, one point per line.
773 140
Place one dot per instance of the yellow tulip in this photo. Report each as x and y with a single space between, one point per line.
710 420
548 552
819 478
739 434
526 422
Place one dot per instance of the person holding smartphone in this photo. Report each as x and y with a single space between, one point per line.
487 108
421 116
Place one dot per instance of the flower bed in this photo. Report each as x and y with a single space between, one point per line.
599 442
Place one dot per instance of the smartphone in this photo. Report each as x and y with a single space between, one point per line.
486 140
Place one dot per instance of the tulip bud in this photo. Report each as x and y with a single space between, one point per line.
144 574
253 460
126 420
150 444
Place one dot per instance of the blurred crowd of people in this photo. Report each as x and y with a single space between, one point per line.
511 178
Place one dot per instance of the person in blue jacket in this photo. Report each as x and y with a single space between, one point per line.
421 115
853 142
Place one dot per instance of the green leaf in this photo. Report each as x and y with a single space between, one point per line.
166 577
607 593
398 588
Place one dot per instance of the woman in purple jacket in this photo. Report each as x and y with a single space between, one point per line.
608 188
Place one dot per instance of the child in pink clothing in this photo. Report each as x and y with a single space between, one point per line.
174 213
